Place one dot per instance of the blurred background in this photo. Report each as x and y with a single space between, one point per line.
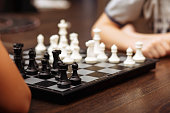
22 20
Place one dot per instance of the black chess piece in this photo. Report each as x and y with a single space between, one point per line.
75 79
64 82
18 60
55 70
46 56
31 69
20 45
45 72
34 54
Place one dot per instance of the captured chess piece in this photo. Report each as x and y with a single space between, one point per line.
64 82
46 56
18 60
138 57
45 72
75 79
31 69
56 62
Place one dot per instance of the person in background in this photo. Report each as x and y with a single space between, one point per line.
15 95
125 22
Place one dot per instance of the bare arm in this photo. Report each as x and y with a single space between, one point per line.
15 95
155 45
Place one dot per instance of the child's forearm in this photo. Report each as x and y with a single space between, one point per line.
154 45
111 34
15 94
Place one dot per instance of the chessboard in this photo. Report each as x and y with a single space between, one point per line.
94 78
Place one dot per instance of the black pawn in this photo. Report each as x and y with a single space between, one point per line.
18 60
46 56
75 79
64 81
45 72
57 61
31 69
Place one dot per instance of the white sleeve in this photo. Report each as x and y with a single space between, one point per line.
124 11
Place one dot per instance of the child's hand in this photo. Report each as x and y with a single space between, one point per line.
156 47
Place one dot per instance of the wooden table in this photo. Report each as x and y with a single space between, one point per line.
147 93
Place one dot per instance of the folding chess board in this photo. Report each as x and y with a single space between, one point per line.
95 77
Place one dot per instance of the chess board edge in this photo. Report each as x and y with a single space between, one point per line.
92 87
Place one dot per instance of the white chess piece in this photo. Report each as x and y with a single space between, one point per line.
138 57
63 52
40 48
74 40
51 59
53 44
68 59
114 58
62 32
129 60
75 44
91 57
97 39
76 54
102 57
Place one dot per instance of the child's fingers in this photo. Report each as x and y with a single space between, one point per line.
161 51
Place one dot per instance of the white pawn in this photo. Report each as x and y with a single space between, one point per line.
102 57
68 59
129 60
62 32
76 54
114 58
40 48
53 44
74 40
63 52
97 39
91 57
138 57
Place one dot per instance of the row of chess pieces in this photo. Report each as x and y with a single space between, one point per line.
95 49
45 70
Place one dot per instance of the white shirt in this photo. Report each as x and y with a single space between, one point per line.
147 16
